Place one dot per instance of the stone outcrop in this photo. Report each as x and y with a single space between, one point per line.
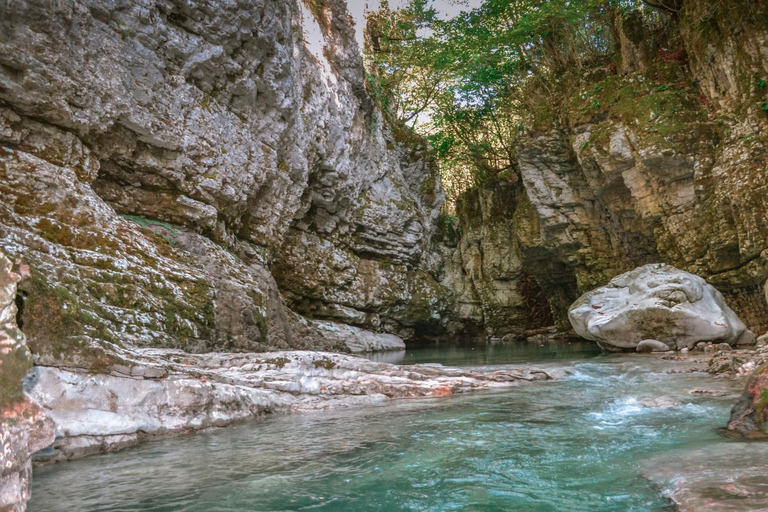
487 266
24 428
206 176
657 302
170 391
749 415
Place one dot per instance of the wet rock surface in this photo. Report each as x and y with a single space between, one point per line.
656 303
728 477
749 415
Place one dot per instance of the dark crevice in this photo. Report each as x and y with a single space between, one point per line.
20 300
536 302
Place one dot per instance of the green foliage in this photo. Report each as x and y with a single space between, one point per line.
447 229
472 84
172 235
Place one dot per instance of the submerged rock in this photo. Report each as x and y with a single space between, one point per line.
658 302
662 401
720 477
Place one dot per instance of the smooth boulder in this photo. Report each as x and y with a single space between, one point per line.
647 346
656 302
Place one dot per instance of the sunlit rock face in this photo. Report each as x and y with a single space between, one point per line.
657 302
200 175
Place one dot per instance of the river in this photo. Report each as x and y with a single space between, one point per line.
594 440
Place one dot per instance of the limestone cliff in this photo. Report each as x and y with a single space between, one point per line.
24 428
206 176
659 159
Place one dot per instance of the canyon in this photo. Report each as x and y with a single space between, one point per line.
190 185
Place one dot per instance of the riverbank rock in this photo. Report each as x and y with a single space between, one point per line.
662 401
658 302
170 391
750 414
24 428
647 346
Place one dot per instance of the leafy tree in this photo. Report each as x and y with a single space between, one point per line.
474 83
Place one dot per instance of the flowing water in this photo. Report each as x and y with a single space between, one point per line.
576 444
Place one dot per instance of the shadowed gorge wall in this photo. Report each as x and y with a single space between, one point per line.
661 158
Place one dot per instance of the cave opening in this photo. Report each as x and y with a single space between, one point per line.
536 303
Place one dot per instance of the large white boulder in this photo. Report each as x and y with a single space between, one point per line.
657 302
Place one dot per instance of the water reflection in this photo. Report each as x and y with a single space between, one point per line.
516 353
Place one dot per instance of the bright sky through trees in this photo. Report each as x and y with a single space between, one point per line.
446 8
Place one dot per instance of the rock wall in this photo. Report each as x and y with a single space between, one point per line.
24 428
205 176
665 162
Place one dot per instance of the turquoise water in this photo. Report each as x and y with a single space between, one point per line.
567 446
522 353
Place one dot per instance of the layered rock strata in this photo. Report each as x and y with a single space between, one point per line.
169 391
206 176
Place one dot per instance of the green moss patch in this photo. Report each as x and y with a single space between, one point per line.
667 114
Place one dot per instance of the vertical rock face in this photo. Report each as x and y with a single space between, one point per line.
488 267
664 164
24 428
205 176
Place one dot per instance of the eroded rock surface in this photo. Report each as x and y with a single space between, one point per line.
203 175
170 391
750 414
657 302
24 428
